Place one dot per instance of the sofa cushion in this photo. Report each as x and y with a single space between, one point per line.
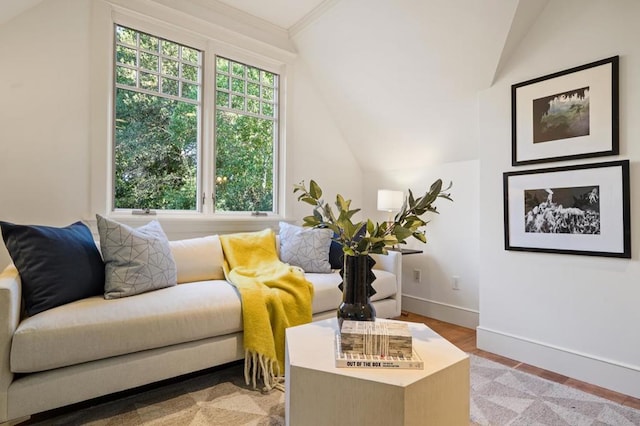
96 328
198 259
56 265
306 248
327 296
136 260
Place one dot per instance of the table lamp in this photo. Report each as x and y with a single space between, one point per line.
390 201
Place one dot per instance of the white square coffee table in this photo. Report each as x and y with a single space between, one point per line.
318 393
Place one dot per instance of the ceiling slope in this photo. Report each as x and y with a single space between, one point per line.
401 78
9 9
283 13
526 14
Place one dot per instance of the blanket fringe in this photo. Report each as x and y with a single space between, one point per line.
257 366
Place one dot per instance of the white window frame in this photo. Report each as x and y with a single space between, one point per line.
104 19
275 118
199 103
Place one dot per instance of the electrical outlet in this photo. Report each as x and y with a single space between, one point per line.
454 282
417 275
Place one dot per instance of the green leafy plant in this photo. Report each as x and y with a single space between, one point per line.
377 237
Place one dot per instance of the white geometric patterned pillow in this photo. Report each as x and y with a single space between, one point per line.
305 247
136 260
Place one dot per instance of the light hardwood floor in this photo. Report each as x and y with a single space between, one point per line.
465 339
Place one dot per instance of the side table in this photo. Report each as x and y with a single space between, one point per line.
405 252
318 393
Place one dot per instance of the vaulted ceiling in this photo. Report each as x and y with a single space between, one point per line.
399 77
283 13
9 9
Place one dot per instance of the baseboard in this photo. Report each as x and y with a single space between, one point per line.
15 422
458 315
606 373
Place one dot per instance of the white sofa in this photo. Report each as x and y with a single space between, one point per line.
93 347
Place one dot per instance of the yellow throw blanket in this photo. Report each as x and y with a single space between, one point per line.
274 296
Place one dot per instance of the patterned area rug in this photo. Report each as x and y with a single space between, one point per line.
499 396
219 398
503 396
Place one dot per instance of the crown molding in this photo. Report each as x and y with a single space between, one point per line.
311 17
231 19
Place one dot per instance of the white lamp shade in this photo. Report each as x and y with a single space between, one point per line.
389 201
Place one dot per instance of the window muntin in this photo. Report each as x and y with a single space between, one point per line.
156 127
246 116
152 64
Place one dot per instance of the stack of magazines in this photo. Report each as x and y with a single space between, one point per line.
365 344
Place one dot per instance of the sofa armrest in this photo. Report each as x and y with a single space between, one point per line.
392 262
10 297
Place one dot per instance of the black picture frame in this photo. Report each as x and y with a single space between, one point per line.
582 209
566 115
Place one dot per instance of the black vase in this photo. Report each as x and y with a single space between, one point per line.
357 277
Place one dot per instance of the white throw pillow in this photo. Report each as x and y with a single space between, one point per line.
307 248
136 260
198 259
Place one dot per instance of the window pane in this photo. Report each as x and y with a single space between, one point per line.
148 42
238 69
155 152
169 67
267 93
222 81
237 85
222 64
244 163
190 55
189 91
253 89
267 109
126 35
189 72
222 99
149 61
127 56
237 102
267 78
253 74
169 49
170 86
149 81
126 76
253 106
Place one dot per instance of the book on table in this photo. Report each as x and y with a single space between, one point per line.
360 360
383 338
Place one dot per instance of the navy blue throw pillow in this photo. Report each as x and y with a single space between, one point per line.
56 265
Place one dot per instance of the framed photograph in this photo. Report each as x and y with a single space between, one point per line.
581 209
567 115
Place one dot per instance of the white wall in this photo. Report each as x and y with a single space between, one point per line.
452 241
45 133
401 77
44 121
576 315
317 149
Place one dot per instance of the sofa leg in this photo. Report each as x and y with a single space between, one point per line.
15 421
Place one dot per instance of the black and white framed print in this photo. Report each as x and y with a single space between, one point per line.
582 209
566 115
